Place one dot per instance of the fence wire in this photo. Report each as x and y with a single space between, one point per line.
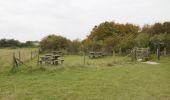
6 57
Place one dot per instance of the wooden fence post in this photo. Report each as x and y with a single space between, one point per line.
114 53
35 53
38 57
158 54
31 54
19 55
165 52
14 62
120 51
135 54
84 61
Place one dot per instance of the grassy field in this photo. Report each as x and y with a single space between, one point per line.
110 78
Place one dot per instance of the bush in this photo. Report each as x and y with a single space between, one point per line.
142 40
54 42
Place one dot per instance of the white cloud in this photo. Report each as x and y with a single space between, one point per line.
34 19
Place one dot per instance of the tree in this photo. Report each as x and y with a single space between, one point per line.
54 42
9 43
75 46
166 27
142 40
111 34
163 38
29 43
127 42
108 29
157 28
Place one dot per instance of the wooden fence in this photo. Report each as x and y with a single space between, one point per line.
19 58
140 54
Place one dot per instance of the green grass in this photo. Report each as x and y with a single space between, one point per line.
110 78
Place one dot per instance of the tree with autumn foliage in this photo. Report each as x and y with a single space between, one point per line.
111 34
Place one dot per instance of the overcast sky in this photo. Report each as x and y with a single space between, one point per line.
33 19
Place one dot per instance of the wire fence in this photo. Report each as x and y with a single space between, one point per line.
7 57
10 58
21 58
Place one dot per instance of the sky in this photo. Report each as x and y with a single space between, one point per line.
34 19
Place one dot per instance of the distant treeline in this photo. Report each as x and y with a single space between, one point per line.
111 36
107 37
4 43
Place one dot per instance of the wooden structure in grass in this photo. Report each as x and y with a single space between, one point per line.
53 58
19 60
140 54
96 55
57 53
